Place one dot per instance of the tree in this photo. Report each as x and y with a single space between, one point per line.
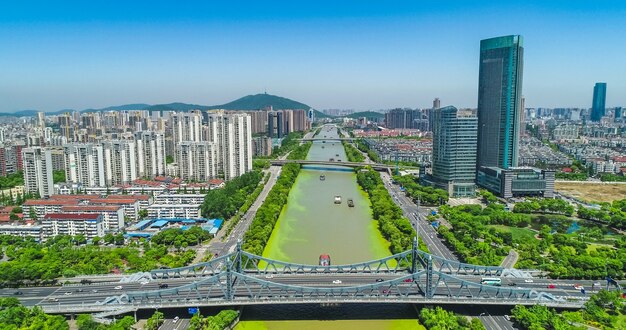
155 321
143 213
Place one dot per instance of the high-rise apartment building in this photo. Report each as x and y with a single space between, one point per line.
259 121
187 126
275 123
120 162
436 103
598 108
150 153
41 120
37 163
197 161
499 97
84 164
454 150
233 135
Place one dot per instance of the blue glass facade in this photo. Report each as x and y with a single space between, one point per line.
499 101
598 108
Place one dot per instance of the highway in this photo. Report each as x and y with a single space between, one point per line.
417 216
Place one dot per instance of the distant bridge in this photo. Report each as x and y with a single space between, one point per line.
376 166
327 139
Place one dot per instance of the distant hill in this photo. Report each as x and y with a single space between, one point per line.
261 101
366 114
250 102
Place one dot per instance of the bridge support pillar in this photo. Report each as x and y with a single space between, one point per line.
238 257
429 278
414 256
229 280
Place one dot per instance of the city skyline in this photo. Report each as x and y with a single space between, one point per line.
349 55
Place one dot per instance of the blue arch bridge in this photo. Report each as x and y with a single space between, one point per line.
242 278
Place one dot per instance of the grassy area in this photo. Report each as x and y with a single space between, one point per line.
592 192
518 233
594 246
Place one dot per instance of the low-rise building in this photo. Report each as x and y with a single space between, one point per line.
516 181
87 224
23 231
113 215
191 211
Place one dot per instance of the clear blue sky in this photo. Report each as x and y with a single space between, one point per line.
328 54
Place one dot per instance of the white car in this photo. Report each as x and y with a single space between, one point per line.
68 293
269 276
119 287
337 282
528 281
176 319
144 282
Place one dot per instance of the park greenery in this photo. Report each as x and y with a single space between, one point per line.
544 205
154 321
393 225
612 214
425 194
289 143
266 216
86 322
14 316
58 176
223 203
221 321
605 309
486 235
438 318
30 262
571 176
246 206
353 154
610 177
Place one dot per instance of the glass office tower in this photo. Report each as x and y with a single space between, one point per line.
598 108
499 98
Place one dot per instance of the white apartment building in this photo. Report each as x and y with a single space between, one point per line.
186 126
23 231
180 199
233 135
112 215
120 162
37 165
89 225
197 161
84 164
150 154
190 211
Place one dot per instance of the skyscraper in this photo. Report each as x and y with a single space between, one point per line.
233 135
454 150
499 98
598 107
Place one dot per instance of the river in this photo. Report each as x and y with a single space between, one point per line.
312 224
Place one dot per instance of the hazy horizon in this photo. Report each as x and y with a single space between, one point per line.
328 55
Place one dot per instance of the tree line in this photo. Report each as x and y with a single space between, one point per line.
266 216
425 194
392 224
223 203
353 154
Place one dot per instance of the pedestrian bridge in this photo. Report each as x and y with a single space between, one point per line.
376 166
242 278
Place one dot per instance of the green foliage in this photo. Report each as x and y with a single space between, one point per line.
260 164
426 195
218 322
177 237
266 216
610 177
169 159
223 203
155 321
539 317
58 176
439 319
370 153
15 316
544 205
476 240
488 196
612 214
353 154
604 308
12 180
289 143
300 152
143 213
393 225
571 176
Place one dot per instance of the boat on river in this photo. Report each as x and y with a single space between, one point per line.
322 177
337 199
350 202
324 260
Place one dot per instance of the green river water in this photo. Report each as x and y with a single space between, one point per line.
312 224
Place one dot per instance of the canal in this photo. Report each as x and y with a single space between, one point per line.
312 224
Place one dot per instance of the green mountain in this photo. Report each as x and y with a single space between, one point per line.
261 101
366 114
